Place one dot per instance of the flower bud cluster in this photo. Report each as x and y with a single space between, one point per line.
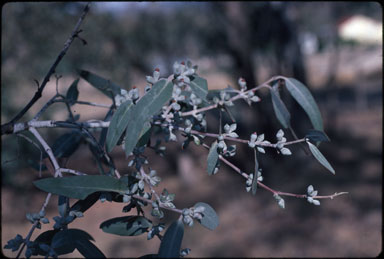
257 139
156 212
167 198
32 217
280 143
185 252
230 130
154 180
243 84
280 201
312 193
125 95
182 73
251 97
155 230
192 213
153 79
248 183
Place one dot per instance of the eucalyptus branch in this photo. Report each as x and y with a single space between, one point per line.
136 196
246 176
93 104
56 166
48 150
240 95
8 127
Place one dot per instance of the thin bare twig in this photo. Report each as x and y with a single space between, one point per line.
245 175
8 127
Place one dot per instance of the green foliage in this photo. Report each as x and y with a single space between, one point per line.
212 159
145 108
79 187
317 154
67 240
171 242
199 87
280 109
255 176
176 104
304 97
67 144
126 226
118 124
210 219
317 136
73 92
107 87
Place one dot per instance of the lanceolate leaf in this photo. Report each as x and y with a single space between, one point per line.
79 187
145 135
88 249
281 110
146 107
64 242
107 87
73 93
254 181
304 97
212 158
63 203
126 226
104 131
210 219
118 124
171 242
83 205
317 135
317 154
67 240
67 144
199 87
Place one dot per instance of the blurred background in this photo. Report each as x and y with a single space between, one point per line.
335 48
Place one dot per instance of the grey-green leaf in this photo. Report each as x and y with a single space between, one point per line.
118 124
67 144
150 104
304 97
65 241
212 158
210 219
83 205
63 203
170 245
317 154
88 249
107 87
317 135
254 181
145 135
126 226
199 87
73 92
281 110
79 187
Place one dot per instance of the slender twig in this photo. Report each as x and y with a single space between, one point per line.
55 164
48 150
8 127
71 171
240 95
45 107
245 175
93 104
38 147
